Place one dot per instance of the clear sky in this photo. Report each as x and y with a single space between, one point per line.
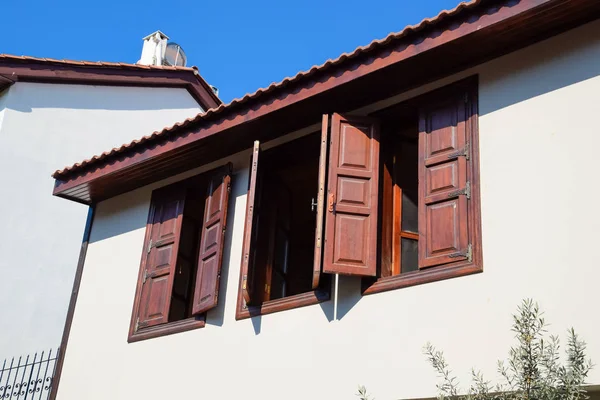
238 45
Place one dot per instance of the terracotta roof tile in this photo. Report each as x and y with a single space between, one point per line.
375 44
106 64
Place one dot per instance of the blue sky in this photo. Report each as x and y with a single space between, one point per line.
238 45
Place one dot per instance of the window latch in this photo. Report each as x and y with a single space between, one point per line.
331 202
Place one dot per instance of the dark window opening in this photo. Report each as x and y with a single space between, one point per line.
286 220
400 138
187 256
181 257
406 201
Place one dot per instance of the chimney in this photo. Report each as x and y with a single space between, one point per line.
155 46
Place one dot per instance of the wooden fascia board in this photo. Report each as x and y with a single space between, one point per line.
355 70
103 76
5 82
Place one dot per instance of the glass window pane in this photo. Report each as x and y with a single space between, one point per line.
277 286
280 260
409 251
410 211
408 180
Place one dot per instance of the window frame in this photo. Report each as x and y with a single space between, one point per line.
315 296
468 86
189 323
170 327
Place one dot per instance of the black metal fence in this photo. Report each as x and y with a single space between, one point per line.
28 377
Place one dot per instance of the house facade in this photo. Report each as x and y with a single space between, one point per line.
53 113
314 235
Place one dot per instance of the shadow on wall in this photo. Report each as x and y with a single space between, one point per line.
121 215
573 60
345 294
27 96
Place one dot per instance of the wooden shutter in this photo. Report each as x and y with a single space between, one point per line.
210 257
444 188
161 248
321 202
249 228
352 197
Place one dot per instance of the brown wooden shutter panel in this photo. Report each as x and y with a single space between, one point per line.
206 292
249 227
321 202
160 250
352 197
444 189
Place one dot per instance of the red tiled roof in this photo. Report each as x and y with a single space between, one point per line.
94 63
211 113
34 69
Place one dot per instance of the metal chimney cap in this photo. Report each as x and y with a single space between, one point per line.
162 35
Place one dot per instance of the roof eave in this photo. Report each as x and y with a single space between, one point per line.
29 69
502 25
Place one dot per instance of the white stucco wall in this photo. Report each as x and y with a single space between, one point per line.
538 144
44 127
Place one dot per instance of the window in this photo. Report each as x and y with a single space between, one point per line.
430 213
181 258
281 228
398 203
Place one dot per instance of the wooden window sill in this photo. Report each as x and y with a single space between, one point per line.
168 329
287 303
420 277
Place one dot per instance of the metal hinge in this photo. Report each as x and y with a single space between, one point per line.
139 324
462 192
145 276
464 153
150 244
468 254
267 288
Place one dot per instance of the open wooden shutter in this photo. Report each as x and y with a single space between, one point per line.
444 188
249 227
206 292
321 202
160 250
352 197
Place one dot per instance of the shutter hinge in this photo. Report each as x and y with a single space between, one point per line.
139 324
462 192
244 282
150 244
145 276
468 254
464 153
